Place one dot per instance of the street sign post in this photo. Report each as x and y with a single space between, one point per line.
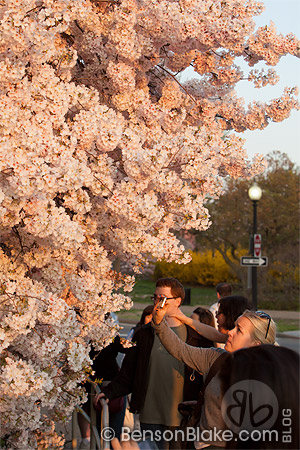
252 261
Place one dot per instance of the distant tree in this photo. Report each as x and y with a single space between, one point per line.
278 223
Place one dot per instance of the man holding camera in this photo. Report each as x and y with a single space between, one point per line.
157 381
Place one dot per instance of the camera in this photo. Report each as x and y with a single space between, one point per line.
162 303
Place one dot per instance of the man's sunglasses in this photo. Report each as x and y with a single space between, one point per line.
155 297
264 315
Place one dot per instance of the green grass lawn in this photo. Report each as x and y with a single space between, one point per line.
199 296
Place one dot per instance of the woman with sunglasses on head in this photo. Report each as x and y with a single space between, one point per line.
251 329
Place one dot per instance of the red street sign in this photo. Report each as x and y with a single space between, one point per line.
257 245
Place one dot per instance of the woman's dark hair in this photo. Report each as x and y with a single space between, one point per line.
275 367
232 307
146 312
205 316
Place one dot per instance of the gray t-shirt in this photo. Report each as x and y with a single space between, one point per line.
200 359
164 385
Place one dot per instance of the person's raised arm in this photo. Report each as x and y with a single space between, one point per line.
205 330
197 358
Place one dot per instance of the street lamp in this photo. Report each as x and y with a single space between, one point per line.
254 193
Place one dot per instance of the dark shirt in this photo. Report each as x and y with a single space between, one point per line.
105 361
132 377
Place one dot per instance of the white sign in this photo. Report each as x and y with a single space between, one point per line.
253 261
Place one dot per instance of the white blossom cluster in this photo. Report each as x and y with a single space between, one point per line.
104 154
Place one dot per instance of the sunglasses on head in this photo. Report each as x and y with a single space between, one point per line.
264 315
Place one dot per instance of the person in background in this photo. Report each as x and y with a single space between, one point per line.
276 368
106 368
203 315
132 421
146 317
223 290
230 308
251 329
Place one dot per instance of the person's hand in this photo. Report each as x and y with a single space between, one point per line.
159 312
126 445
98 397
179 316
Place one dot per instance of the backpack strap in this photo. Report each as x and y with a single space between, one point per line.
216 366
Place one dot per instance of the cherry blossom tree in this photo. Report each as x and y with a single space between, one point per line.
104 154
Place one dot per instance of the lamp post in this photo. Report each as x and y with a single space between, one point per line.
254 193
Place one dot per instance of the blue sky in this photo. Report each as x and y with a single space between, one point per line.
283 136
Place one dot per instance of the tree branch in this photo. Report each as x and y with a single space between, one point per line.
175 79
